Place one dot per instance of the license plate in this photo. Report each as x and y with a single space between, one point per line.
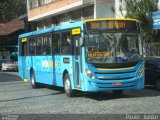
115 84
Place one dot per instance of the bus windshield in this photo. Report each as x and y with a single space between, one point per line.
113 47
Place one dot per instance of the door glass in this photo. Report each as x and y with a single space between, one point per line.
76 45
77 62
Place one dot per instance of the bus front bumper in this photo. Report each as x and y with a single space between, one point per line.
95 85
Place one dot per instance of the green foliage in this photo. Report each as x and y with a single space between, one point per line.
10 9
141 10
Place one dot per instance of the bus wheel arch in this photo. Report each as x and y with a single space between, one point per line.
67 84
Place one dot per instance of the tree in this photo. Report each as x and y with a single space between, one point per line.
11 9
141 10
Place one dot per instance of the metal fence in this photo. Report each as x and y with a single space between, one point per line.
152 49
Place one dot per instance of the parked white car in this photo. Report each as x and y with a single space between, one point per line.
8 65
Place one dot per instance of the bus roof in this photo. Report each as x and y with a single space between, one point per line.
36 32
101 19
68 26
53 29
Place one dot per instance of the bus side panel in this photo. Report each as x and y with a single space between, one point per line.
28 66
62 63
23 67
43 68
58 80
50 69
20 67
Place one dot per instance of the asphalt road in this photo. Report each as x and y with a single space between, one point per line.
17 97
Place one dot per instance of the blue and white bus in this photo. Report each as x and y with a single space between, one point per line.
92 55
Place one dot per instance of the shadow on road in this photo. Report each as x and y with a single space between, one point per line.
11 82
13 78
100 96
60 89
30 97
9 77
103 96
17 90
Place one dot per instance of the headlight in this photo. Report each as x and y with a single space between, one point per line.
89 73
3 65
141 71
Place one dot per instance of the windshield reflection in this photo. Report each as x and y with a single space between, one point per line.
113 47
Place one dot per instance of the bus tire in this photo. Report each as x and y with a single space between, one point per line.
117 93
67 86
33 82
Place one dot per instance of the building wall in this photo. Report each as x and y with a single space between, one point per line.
119 5
52 8
103 9
72 16
49 13
158 4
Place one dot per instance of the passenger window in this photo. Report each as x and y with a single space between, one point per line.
39 47
56 44
47 44
32 46
66 43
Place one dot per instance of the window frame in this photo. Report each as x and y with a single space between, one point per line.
61 43
39 54
59 48
49 36
29 45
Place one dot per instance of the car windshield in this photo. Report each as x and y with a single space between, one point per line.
7 61
119 47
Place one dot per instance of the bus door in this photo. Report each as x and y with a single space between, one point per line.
24 56
77 61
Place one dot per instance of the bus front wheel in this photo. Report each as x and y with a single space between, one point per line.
67 86
33 80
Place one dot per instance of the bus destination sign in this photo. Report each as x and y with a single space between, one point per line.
112 25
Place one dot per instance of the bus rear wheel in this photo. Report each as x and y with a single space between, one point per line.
67 86
33 82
